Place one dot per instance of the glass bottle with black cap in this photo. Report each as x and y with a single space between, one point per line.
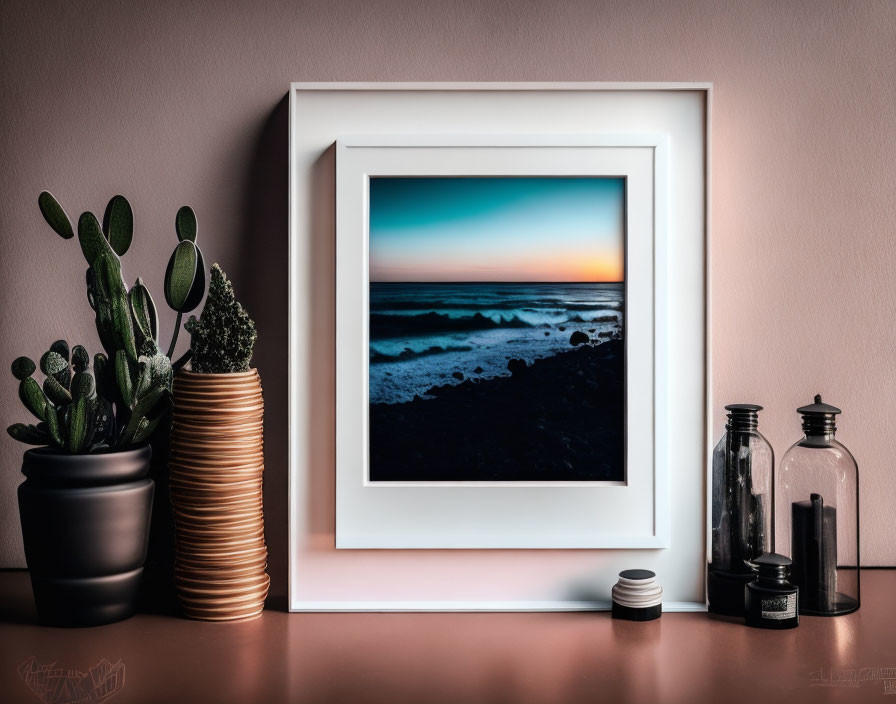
742 508
817 515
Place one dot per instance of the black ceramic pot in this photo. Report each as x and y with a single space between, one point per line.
85 525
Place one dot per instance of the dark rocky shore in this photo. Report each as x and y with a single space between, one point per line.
560 418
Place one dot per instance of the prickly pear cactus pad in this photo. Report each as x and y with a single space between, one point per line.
223 337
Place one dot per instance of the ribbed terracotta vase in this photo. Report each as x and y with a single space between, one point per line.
215 473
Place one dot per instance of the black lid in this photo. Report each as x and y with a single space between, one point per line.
743 416
773 559
819 418
743 408
773 567
637 574
818 408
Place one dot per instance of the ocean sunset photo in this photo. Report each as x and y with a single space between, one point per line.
496 329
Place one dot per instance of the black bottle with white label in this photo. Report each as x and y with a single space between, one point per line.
771 601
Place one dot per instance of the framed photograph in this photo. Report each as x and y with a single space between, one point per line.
500 303
490 385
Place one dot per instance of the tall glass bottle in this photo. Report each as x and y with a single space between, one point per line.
817 509
742 508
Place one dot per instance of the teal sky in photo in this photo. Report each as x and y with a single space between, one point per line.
497 229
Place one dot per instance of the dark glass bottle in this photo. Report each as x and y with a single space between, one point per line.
772 601
742 508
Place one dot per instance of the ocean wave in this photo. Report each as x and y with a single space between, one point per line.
597 318
377 357
617 305
385 326
510 304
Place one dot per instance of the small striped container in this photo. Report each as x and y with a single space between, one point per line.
637 596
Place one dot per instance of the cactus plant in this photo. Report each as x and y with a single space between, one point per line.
223 337
120 403
112 407
72 417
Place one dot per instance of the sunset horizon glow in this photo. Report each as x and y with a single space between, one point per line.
497 229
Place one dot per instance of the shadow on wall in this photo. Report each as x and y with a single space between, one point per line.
263 269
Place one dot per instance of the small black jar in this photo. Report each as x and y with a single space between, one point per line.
771 601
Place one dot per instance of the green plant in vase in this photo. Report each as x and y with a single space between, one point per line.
217 452
86 502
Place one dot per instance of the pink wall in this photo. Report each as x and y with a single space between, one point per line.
173 103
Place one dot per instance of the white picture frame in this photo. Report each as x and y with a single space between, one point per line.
631 513
323 578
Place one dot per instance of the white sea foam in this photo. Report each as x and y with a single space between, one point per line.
422 334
